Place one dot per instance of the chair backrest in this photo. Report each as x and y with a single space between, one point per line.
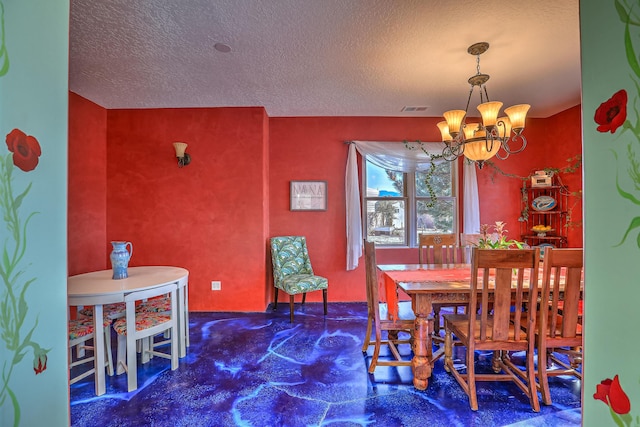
373 292
501 280
561 288
438 249
467 242
470 239
133 297
289 256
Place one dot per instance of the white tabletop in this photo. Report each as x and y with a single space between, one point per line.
101 284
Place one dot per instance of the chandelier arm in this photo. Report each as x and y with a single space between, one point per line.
489 141
452 152
508 149
498 156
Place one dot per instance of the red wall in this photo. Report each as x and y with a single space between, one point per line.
215 216
87 205
551 143
207 217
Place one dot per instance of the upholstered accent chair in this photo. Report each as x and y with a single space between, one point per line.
292 271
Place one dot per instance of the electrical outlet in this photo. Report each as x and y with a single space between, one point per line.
216 285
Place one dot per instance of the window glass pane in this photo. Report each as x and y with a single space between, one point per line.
385 222
437 219
383 183
440 181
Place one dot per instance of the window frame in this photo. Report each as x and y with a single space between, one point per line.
410 199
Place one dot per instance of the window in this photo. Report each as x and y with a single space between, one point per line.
426 201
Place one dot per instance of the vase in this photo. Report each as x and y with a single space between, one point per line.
120 257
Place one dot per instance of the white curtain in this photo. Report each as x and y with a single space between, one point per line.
402 157
471 203
396 156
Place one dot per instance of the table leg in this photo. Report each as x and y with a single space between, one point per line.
422 351
99 349
183 319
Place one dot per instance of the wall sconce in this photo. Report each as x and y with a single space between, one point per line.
183 158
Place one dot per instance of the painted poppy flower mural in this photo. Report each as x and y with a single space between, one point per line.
25 149
612 113
24 153
610 116
610 392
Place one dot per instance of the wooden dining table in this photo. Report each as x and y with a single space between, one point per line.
425 284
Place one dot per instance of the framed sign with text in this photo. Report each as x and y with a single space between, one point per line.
308 196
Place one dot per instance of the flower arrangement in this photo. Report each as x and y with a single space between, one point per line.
497 239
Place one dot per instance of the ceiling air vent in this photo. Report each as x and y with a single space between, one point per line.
414 109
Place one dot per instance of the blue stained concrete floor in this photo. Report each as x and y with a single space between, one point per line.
257 369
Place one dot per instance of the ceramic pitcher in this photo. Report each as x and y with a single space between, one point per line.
120 257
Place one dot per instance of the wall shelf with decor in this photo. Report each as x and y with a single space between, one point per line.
544 215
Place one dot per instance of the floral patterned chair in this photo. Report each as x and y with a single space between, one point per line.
143 326
292 270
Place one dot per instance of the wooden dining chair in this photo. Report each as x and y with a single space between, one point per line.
497 281
378 319
440 249
467 242
560 321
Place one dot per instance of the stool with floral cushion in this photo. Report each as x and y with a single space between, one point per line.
162 304
153 305
80 332
111 312
140 325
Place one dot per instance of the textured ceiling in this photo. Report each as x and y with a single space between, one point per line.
324 57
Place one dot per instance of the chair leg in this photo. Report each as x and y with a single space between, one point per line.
448 350
531 379
367 336
376 352
291 308
121 356
107 349
471 381
275 303
324 300
543 379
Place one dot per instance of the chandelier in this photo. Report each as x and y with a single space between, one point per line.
481 141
